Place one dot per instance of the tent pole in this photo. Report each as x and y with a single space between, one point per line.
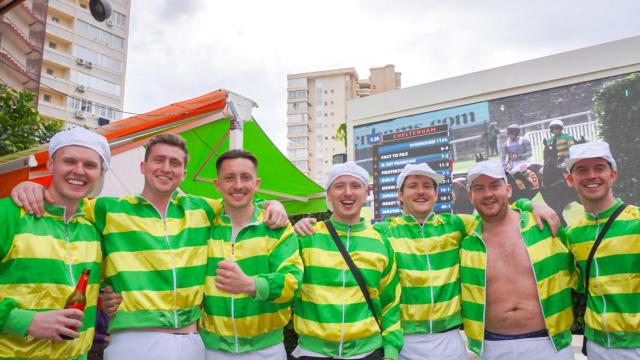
235 128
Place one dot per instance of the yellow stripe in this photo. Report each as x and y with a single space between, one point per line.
290 281
89 209
154 260
122 222
615 284
560 322
396 326
470 222
432 245
332 331
32 348
333 259
215 204
421 312
472 293
368 232
555 283
530 223
45 296
396 300
246 326
473 259
161 300
210 289
616 322
618 245
320 294
418 278
473 329
546 248
29 246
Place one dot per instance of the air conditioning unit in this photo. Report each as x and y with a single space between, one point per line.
88 64
80 114
109 22
80 61
81 88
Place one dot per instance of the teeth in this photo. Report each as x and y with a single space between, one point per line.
164 178
592 185
76 182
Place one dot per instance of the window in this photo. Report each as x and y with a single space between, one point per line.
94 82
52 45
298 153
119 19
50 71
46 98
55 19
298 141
94 108
97 33
96 57
298 129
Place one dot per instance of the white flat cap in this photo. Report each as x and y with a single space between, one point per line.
349 168
491 168
599 149
82 137
422 169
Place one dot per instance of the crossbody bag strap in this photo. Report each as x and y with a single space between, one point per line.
354 270
601 235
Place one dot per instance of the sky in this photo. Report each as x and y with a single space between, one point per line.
180 49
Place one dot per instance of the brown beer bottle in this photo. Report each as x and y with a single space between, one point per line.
77 299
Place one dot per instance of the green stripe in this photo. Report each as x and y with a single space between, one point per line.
244 307
153 318
121 241
332 313
316 275
160 280
422 295
356 243
245 344
471 276
436 325
438 261
22 271
619 340
329 348
622 303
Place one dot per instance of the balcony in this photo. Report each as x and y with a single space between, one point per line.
57 57
59 31
63 6
54 111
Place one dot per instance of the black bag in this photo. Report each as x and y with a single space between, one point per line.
354 270
592 253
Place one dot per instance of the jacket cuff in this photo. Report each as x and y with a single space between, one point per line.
262 288
391 352
18 322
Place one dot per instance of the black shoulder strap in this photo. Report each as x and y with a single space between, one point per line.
354 270
592 253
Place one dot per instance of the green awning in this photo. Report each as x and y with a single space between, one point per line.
281 180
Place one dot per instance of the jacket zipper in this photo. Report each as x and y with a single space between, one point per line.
429 283
604 300
233 258
173 260
68 243
344 284
484 295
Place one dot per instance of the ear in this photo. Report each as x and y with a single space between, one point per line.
509 190
570 181
216 183
50 165
614 175
142 167
469 195
258 181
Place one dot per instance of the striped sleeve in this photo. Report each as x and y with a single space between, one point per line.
286 266
390 302
10 214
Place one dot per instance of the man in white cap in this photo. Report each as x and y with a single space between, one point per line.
515 278
560 141
43 257
426 247
333 315
612 285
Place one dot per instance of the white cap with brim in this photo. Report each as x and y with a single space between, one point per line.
599 149
349 168
491 168
422 169
82 137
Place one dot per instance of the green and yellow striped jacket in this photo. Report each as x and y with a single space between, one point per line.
427 257
331 314
552 266
40 262
157 265
240 323
613 307
563 142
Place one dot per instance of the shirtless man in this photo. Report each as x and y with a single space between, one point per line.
516 299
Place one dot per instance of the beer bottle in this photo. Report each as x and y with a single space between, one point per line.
77 299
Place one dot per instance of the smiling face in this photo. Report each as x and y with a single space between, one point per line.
593 178
418 195
347 194
75 170
490 196
163 170
237 183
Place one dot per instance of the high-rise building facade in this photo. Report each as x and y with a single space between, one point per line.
21 39
316 106
84 63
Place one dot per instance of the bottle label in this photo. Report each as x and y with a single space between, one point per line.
76 306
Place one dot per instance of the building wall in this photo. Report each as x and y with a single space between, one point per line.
316 107
84 67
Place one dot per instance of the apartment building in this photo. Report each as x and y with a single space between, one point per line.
84 63
316 106
21 39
